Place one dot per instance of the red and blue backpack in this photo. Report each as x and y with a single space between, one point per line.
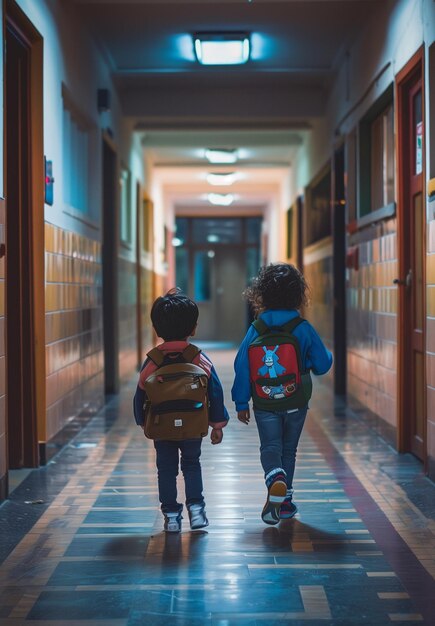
278 378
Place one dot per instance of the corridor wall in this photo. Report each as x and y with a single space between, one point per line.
74 68
367 70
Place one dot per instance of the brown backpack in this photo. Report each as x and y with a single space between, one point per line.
177 400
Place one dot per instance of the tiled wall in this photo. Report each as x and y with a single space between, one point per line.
3 446
318 274
430 343
127 318
146 302
372 322
74 337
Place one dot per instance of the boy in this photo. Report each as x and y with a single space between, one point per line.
174 318
278 380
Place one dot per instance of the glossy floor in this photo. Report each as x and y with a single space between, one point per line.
91 550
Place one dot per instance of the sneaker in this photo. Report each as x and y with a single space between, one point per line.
197 516
288 509
276 492
172 522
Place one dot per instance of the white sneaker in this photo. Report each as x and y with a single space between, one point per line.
197 516
172 522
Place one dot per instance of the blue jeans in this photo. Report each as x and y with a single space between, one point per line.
279 437
167 460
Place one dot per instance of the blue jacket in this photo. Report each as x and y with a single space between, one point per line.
314 355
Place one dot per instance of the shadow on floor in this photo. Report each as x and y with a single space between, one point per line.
291 534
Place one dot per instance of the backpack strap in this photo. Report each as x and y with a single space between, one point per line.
291 325
188 355
156 356
190 352
260 326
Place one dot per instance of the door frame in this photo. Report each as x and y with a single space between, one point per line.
35 370
413 66
139 230
110 238
339 270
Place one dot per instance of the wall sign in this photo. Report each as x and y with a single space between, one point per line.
49 180
419 148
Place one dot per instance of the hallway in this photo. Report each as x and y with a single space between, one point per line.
361 551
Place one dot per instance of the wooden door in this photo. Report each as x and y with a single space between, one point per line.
110 269
412 255
339 272
20 390
415 275
139 273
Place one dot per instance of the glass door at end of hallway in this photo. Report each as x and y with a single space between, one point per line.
215 259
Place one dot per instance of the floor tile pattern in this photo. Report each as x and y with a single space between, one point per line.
360 551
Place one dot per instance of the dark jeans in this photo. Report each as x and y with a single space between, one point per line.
279 437
167 460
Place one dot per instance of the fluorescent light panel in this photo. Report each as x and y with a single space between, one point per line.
215 155
222 48
221 179
220 199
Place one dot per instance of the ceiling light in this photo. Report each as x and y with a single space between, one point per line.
176 242
222 48
212 238
221 155
221 179
221 199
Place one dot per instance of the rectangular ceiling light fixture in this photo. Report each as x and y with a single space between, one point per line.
222 48
221 179
221 155
220 199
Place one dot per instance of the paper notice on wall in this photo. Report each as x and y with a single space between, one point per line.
419 148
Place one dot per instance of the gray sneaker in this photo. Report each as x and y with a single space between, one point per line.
172 522
197 516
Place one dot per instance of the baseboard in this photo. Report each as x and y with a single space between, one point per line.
4 488
431 468
48 449
383 428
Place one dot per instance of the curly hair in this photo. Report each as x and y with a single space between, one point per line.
277 286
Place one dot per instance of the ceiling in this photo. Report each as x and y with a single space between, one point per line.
264 108
296 46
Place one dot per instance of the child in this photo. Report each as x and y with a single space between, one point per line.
174 318
276 294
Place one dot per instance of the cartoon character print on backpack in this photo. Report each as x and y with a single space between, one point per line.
271 363
272 368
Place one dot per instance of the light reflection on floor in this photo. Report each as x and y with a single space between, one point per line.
97 553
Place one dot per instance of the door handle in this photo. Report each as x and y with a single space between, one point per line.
407 282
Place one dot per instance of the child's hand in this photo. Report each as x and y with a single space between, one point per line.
244 416
216 435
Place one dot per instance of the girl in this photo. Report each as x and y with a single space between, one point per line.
276 295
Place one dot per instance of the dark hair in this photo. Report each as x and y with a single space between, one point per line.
277 286
174 315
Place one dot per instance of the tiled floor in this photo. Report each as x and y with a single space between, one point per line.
361 551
